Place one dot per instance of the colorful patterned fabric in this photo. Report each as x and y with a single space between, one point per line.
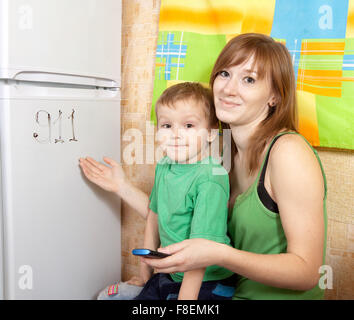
319 35
113 290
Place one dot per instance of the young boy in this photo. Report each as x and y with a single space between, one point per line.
188 199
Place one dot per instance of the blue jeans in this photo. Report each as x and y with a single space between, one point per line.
162 287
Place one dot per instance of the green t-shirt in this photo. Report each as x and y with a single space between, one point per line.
191 202
254 228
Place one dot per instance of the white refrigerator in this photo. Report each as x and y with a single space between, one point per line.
60 63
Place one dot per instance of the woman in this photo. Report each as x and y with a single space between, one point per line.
278 188
278 222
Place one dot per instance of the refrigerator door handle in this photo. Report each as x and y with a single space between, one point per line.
40 76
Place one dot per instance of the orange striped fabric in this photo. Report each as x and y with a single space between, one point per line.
322 48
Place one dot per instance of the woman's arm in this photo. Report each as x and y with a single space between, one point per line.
112 178
297 185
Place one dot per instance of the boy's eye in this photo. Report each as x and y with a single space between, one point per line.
166 126
189 125
249 80
224 73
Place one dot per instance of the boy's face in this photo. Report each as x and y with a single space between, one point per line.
183 131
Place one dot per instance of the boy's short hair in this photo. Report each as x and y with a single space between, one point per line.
190 90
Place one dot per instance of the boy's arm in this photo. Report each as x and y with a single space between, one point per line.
209 218
135 198
151 241
192 281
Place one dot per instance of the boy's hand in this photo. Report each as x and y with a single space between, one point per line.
109 178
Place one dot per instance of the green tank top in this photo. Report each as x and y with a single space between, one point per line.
254 228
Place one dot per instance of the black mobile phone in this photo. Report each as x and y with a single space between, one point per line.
147 253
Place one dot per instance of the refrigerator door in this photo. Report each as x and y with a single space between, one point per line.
80 37
61 233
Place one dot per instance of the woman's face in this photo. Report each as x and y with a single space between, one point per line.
241 96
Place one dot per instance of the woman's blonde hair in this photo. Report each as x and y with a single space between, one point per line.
271 60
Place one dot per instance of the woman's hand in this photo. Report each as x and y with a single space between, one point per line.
187 255
110 178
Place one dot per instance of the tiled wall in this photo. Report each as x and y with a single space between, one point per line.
339 169
139 37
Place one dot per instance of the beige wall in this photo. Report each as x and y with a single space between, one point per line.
139 38
339 169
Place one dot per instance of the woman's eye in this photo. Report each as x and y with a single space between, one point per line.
224 73
249 80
